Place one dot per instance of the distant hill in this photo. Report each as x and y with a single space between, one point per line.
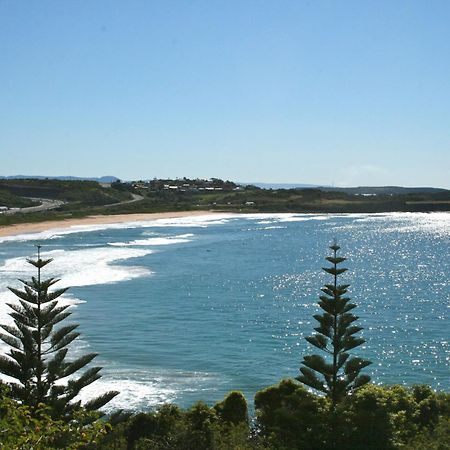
105 179
281 185
382 190
81 197
75 194
359 190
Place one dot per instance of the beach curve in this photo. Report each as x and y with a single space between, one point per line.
37 227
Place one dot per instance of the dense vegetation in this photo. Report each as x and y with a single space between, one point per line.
9 200
226 197
82 193
39 410
287 417
83 198
26 428
77 198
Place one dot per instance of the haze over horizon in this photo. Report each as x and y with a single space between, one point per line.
350 94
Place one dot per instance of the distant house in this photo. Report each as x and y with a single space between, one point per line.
249 203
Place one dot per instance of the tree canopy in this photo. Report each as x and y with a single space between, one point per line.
39 346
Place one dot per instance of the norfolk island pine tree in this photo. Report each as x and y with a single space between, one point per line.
335 337
37 359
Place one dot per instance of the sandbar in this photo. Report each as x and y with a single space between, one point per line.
36 227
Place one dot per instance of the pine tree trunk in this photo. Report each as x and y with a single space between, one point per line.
335 341
39 365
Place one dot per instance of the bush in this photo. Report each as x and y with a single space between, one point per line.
233 408
223 427
373 418
291 417
23 427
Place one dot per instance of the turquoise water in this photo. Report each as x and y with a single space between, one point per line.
187 309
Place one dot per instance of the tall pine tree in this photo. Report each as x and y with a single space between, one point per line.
37 359
339 374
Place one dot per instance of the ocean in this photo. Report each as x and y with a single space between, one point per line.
188 309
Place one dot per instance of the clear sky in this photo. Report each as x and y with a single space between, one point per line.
344 92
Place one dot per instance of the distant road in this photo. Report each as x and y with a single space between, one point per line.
136 198
46 204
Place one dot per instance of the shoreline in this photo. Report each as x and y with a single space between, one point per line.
37 227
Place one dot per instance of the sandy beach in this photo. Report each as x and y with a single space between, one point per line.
23 228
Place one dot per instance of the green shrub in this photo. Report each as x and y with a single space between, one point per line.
291 417
23 427
233 408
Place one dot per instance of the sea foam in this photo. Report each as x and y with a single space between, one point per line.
146 388
55 233
88 266
180 239
202 221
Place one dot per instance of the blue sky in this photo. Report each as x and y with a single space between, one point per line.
344 92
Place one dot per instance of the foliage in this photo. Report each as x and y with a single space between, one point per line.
92 197
223 427
76 193
288 417
37 359
161 426
335 336
373 418
389 417
13 201
233 408
291 417
437 438
23 427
